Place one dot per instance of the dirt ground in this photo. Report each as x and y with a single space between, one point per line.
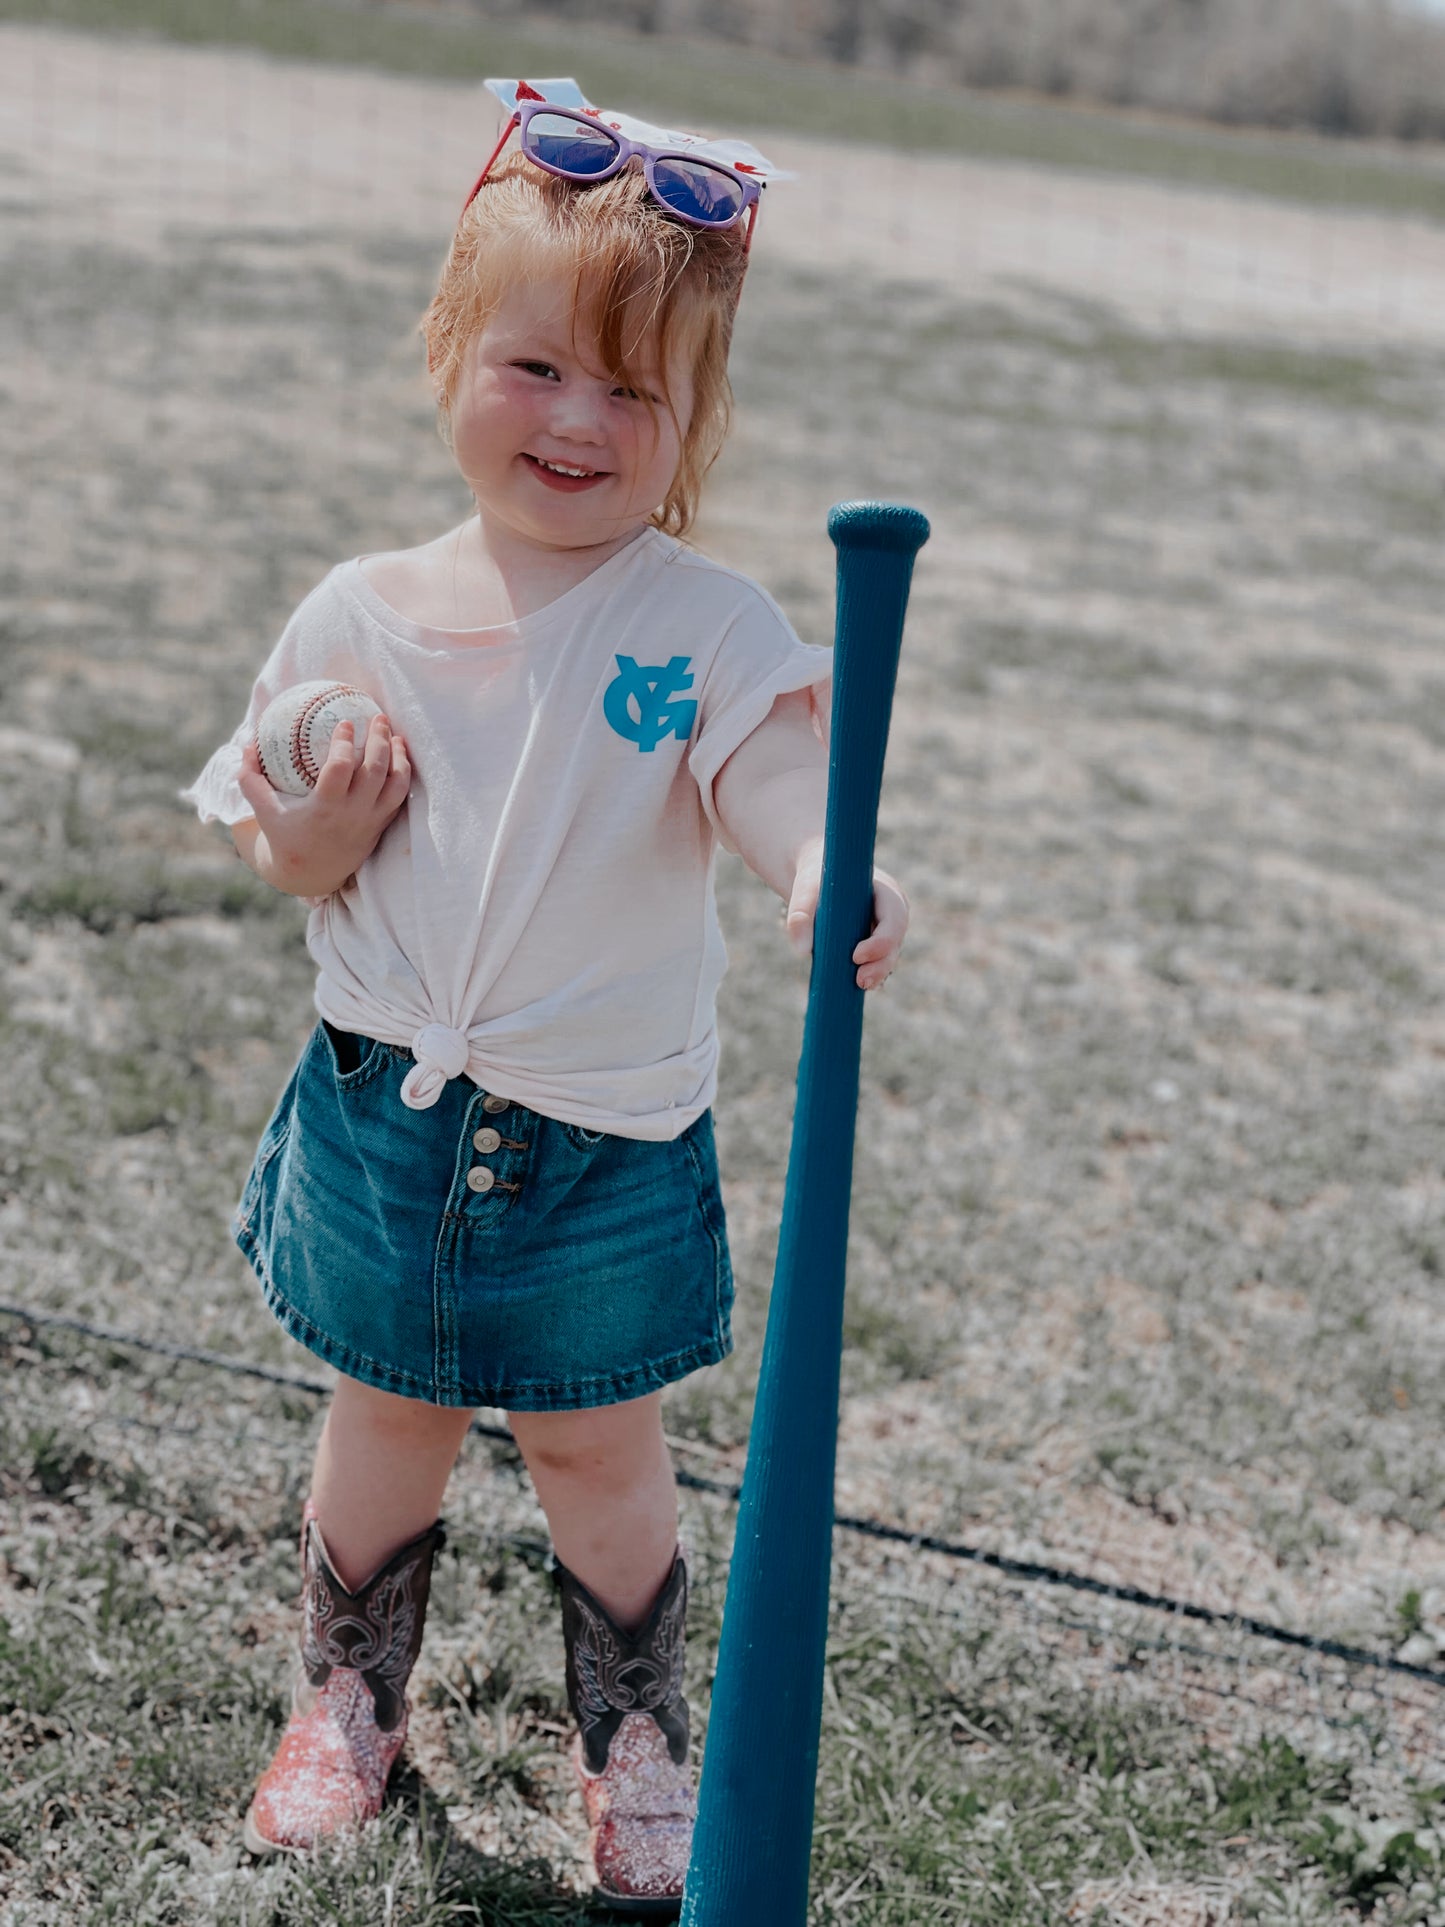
1149 1214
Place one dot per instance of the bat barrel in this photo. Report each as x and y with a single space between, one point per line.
753 1841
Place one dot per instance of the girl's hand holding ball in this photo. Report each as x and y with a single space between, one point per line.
316 840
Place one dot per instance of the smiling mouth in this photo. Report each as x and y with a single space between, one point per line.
568 476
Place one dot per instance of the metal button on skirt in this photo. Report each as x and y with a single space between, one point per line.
478 1253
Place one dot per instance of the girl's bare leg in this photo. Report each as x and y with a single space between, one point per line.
606 1484
381 1468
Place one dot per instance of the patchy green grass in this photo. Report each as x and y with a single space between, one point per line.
111 897
708 82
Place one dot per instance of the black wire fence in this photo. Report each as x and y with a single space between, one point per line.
1030 1571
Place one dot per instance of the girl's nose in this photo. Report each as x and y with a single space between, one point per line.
577 412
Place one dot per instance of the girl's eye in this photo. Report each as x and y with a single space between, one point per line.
543 368
637 394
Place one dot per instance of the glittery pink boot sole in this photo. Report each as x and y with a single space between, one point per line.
330 1770
640 1811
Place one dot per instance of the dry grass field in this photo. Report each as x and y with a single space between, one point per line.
1148 1236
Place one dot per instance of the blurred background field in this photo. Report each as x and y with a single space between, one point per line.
1148 1237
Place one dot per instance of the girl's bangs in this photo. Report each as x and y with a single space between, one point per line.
628 277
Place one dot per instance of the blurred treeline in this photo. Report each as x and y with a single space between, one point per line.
1361 67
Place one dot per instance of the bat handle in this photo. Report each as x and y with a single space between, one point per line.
876 544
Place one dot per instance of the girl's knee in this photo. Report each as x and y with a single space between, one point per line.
603 1442
389 1415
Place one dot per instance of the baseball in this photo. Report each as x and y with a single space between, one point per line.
295 731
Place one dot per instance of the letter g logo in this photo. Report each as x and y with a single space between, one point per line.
651 689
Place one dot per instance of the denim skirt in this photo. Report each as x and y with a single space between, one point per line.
478 1253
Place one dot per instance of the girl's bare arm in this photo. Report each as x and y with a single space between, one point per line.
772 795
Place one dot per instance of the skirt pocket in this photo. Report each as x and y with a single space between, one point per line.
355 1059
253 1212
272 1144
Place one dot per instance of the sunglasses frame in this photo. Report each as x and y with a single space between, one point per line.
627 150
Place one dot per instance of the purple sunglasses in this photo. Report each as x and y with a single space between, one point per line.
582 147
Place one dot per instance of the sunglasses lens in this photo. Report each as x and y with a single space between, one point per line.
569 146
697 192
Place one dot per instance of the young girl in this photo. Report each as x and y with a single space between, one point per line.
490 1180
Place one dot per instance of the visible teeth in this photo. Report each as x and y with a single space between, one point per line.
558 469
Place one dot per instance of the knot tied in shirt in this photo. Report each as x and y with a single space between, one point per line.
441 1053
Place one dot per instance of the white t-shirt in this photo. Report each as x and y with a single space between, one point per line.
540 913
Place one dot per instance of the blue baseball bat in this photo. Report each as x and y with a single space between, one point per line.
754 1834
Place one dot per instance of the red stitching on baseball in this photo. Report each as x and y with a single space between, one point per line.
302 760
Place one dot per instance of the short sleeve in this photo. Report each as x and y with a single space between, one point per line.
216 794
759 659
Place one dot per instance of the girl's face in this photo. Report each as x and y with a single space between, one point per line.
556 453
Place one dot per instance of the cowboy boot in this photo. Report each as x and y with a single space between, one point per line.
348 1706
630 1754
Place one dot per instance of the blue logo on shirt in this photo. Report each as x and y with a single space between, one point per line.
651 689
